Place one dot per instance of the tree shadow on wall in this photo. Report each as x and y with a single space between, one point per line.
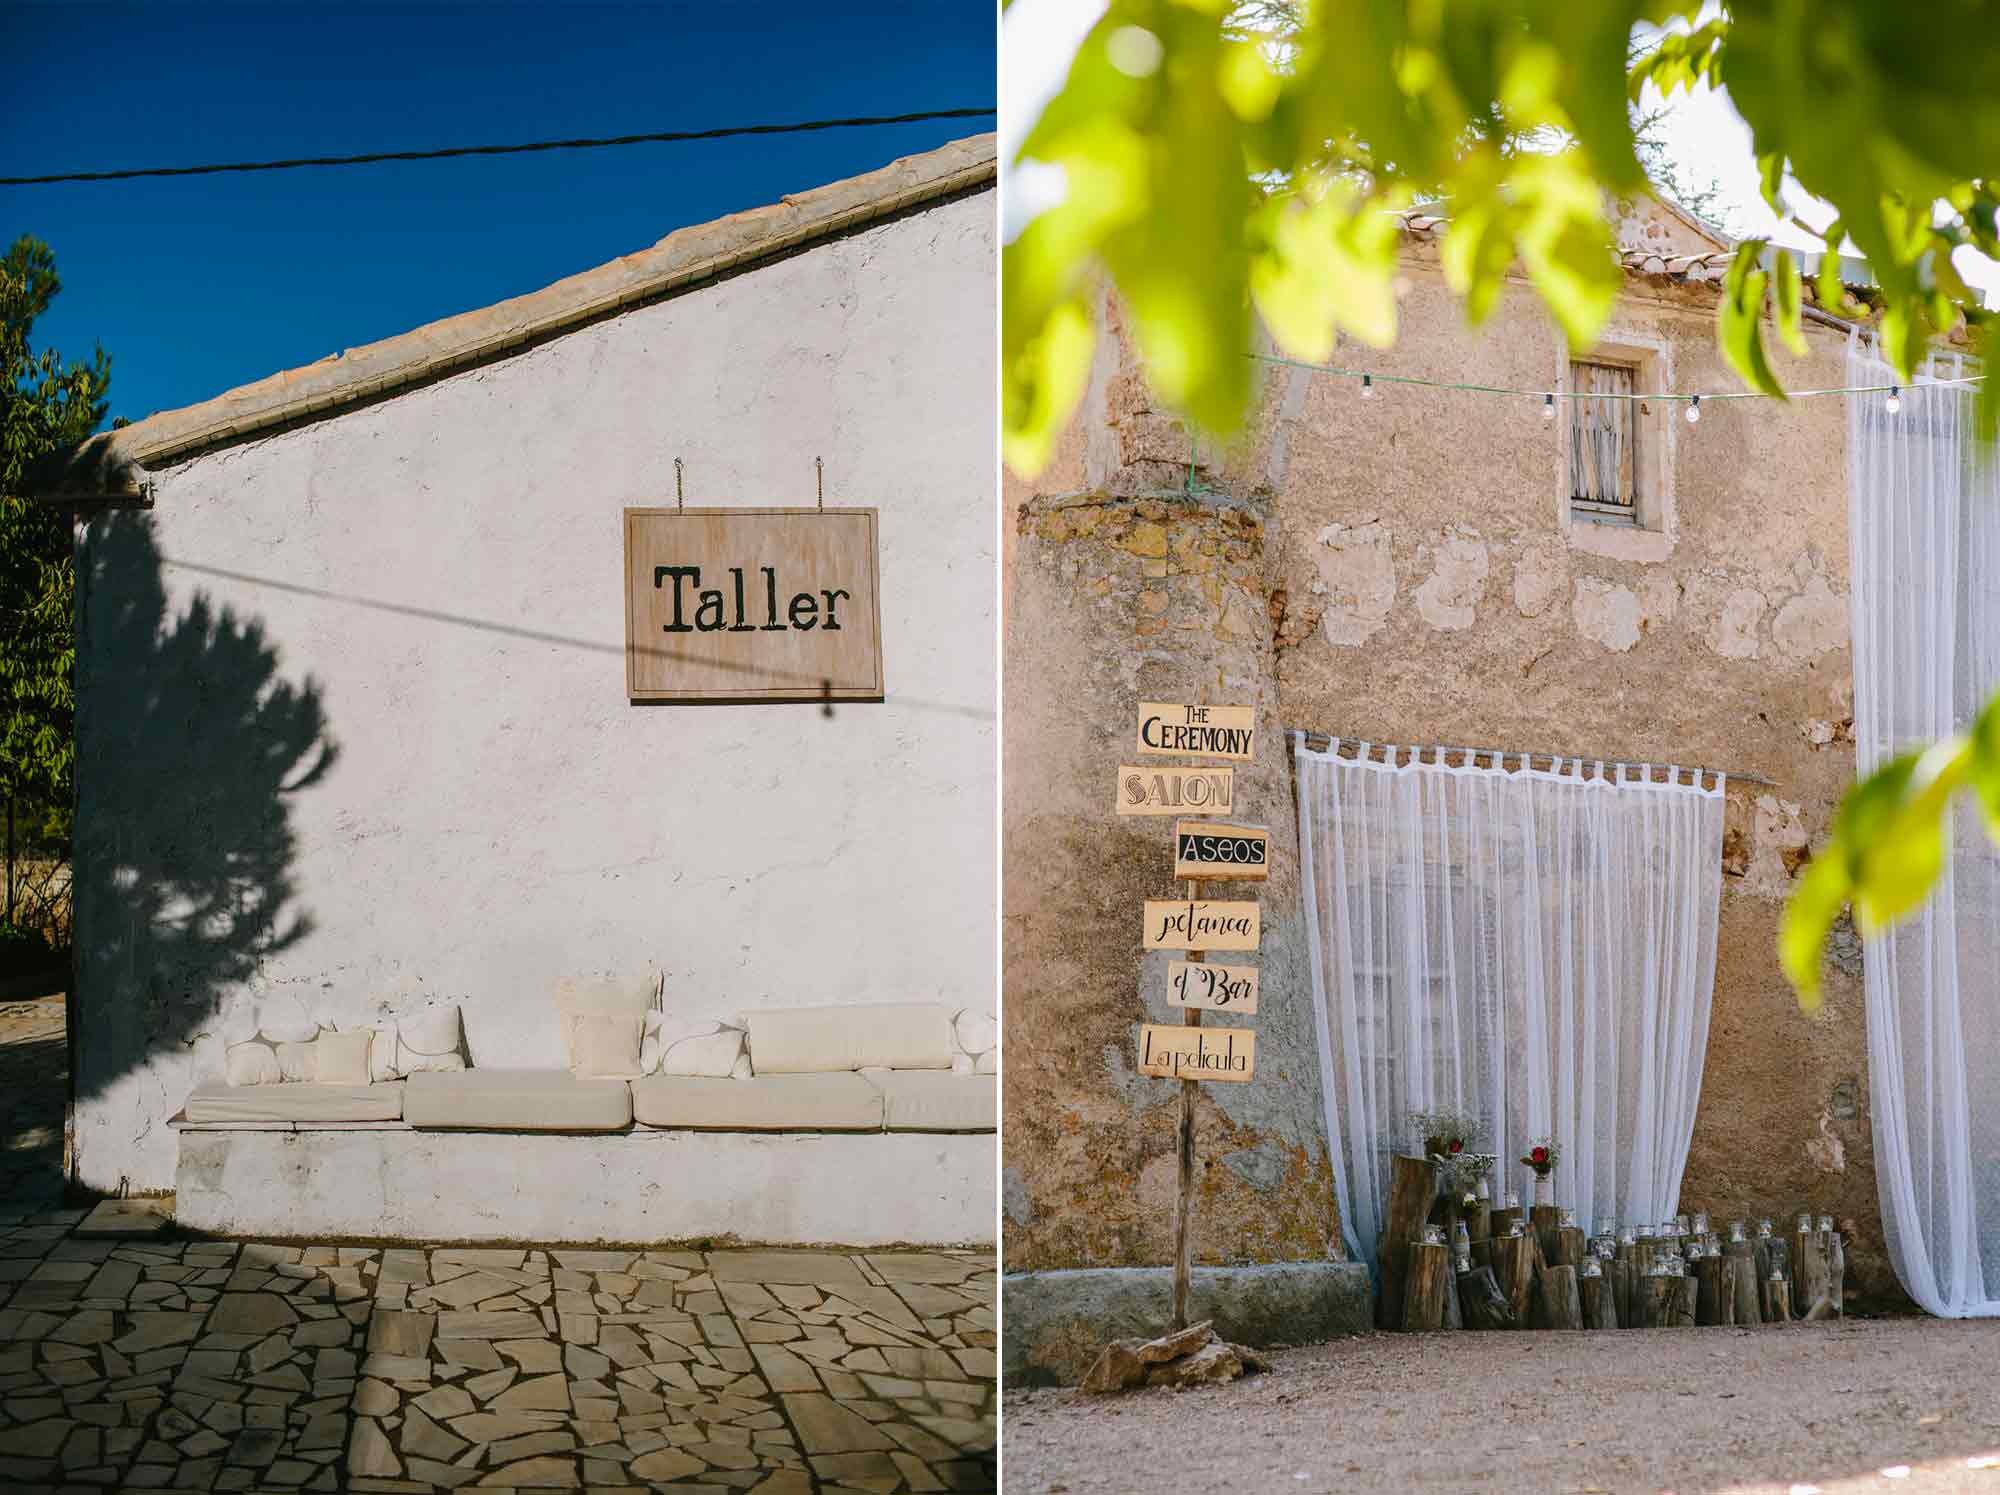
189 747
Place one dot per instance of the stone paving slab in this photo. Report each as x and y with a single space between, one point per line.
226 1366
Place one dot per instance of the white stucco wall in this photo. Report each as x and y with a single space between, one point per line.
445 569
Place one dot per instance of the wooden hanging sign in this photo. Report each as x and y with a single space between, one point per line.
1175 791
1174 1053
1218 851
1198 731
1200 924
752 605
1217 988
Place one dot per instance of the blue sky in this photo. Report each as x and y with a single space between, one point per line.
196 285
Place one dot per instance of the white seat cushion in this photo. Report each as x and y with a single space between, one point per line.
517 1100
778 1103
820 1040
926 1100
305 1104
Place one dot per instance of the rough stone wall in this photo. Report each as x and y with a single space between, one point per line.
1421 583
352 710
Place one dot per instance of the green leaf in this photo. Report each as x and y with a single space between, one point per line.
1982 766
1043 382
1817 899
1739 329
1787 299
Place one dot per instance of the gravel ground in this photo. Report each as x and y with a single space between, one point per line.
1886 1405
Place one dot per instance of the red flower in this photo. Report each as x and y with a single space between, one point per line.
1456 1145
1539 1155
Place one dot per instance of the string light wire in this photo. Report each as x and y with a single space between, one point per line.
1369 379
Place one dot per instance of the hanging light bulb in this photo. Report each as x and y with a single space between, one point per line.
1367 386
1694 410
1895 400
1548 407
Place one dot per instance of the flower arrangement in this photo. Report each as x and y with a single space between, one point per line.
1446 1134
1542 1157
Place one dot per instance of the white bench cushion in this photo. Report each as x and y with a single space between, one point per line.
217 1102
821 1040
777 1103
517 1100
925 1100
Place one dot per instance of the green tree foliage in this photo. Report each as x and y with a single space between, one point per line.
46 405
1225 162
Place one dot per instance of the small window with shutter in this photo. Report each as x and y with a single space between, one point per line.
1604 426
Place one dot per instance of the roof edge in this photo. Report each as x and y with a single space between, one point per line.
118 461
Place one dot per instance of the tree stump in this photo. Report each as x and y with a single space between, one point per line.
1809 1270
1478 1217
1746 1288
1500 1220
1836 1274
1424 1287
1542 1220
1623 1276
1412 1187
1560 1306
1514 1270
1482 1303
1600 1302
1653 1297
1685 1305
1454 1317
1568 1245
1713 1302
1781 1302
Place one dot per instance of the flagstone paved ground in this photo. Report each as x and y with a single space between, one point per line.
221 1365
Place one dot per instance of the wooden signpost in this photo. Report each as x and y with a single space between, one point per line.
752 605
1204 850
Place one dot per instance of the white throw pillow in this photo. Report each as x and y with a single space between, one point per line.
284 1020
975 1032
961 1064
987 1063
297 1063
251 1063
578 996
858 1035
341 1058
428 1041
382 1055
741 1069
604 1045
713 1054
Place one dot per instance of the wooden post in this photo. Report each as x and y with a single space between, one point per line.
1561 1305
1619 1269
1184 1178
1685 1304
1479 1220
1836 1273
1781 1302
1808 1271
1412 1185
1712 1303
1568 1245
1544 1219
1746 1289
1481 1301
1424 1287
1514 1268
1600 1307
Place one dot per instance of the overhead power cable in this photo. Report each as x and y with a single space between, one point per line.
657 137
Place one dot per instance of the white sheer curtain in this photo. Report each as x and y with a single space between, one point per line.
1924 529
1536 947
